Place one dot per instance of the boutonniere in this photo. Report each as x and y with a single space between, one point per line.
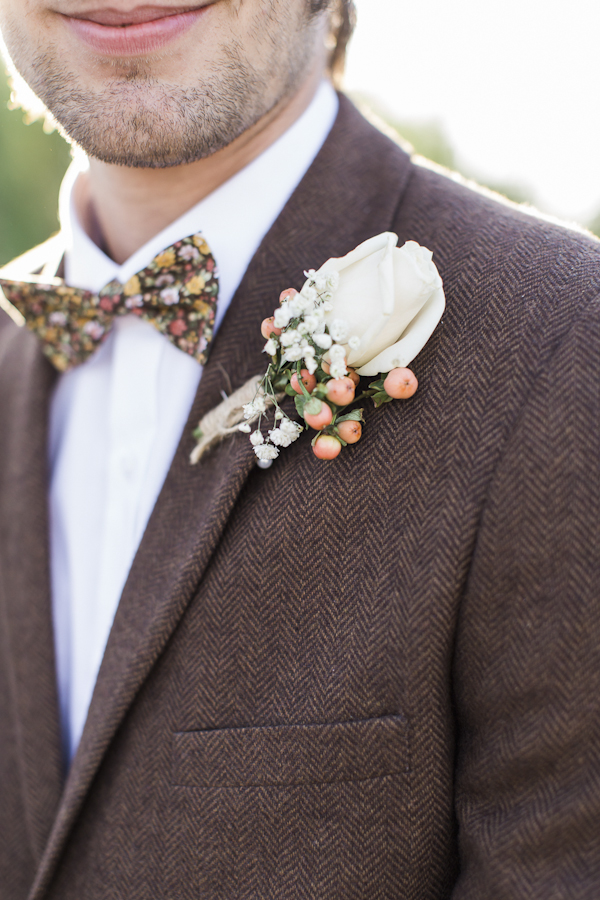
367 314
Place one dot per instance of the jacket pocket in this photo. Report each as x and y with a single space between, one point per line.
288 755
292 812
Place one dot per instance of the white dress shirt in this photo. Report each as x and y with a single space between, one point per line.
116 420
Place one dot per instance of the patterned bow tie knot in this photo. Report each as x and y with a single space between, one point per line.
177 293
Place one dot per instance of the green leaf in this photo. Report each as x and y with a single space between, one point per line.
381 397
300 403
312 406
355 416
377 385
197 434
289 390
280 382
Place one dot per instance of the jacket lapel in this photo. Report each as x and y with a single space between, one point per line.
24 578
345 198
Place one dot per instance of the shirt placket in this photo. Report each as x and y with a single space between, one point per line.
133 421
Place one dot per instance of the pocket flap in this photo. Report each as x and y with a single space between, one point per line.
291 754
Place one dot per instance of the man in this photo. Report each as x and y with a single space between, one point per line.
376 677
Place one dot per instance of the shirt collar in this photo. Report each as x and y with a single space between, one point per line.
233 219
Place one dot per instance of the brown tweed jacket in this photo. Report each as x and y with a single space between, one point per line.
373 679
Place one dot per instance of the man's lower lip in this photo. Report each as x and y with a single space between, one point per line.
134 40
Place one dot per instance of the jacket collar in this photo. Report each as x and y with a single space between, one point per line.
350 193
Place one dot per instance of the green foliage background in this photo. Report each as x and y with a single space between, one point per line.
33 163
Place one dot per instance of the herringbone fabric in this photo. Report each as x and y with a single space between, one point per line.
368 680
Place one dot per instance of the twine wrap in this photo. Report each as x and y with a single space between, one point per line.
226 418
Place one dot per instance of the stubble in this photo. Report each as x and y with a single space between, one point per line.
137 120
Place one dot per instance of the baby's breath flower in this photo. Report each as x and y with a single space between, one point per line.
323 340
291 429
266 451
245 428
286 434
310 324
259 404
249 410
256 438
270 347
279 438
289 337
338 369
282 316
304 304
338 329
278 415
312 365
320 282
354 342
337 352
308 293
294 353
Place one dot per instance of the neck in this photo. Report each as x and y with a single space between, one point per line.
123 208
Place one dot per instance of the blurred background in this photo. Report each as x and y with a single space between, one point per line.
503 92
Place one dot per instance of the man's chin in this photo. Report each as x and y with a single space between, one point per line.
136 148
154 133
143 112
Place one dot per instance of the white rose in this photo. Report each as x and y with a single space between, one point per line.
391 299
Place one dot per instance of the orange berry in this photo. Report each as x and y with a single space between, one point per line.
354 376
401 384
267 328
350 431
327 447
291 292
321 419
309 381
340 390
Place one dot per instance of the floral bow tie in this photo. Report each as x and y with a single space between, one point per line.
177 293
